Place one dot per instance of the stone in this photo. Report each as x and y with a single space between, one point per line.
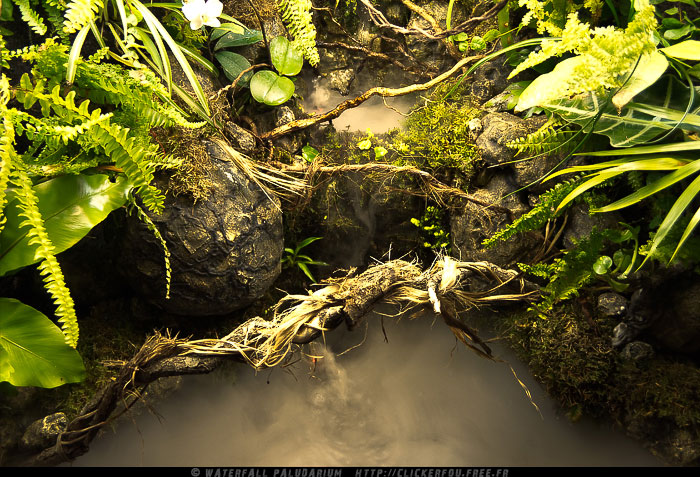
500 129
678 328
611 305
42 433
475 223
225 249
581 223
637 351
489 80
340 80
241 139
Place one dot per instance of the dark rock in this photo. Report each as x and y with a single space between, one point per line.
489 80
637 351
225 249
611 305
43 432
289 142
241 139
475 223
679 327
500 129
581 223
622 334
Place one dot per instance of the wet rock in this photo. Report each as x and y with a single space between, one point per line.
340 80
289 142
475 223
225 249
637 351
581 223
43 432
489 80
500 129
241 139
611 305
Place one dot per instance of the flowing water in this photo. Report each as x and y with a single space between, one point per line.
419 399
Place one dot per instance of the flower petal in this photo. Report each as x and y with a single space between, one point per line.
212 21
193 8
196 22
213 8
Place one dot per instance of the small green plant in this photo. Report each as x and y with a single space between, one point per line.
430 225
293 257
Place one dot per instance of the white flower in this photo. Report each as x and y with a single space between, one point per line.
201 12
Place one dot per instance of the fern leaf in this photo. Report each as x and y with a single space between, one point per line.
296 14
549 137
538 216
33 19
143 217
48 267
79 13
6 154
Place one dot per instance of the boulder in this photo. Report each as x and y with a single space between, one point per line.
611 305
474 223
637 351
42 433
225 249
500 129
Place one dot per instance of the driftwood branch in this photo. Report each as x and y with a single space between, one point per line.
354 102
380 20
447 286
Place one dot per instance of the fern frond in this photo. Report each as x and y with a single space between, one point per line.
49 268
32 18
547 138
143 217
6 154
296 14
79 13
124 150
538 216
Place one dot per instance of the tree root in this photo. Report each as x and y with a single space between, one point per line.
354 102
298 319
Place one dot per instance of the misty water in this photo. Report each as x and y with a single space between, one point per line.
419 399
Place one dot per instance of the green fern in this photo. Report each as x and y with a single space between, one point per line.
604 57
550 137
48 267
79 13
143 217
536 218
6 153
296 14
32 18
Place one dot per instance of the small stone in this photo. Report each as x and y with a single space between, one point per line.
42 433
611 305
637 351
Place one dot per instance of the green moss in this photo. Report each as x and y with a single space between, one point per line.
437 135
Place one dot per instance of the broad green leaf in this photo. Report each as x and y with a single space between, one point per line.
677 33
270 88
491 35
549 87
685 50
656 110
365 144
650 189
695 71
231 40
648 71
688 230
379 152
673 215
602 265
70 207
224 28
600 177
309 153
653 149
233 65
477 43
33 350
285 58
